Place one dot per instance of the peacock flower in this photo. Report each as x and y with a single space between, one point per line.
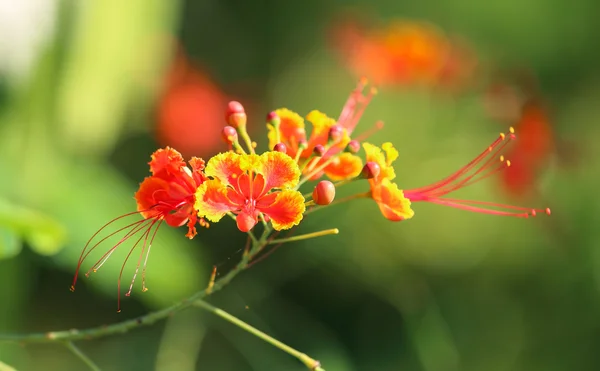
390 199
251 187
332 135
165 196
169 193
395 203
403 53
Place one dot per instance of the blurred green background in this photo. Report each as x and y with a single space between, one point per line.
80 87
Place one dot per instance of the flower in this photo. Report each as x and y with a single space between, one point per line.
395 204
188 110
402 53
167 195
391 201
249 185
332 135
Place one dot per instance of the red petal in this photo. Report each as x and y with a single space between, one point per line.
212 201
279 170
166 160
286 210
225 167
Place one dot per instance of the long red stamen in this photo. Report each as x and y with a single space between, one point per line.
355 106
372 130
137 267
125 263
107 254
492 151
84 253
144 288
481 167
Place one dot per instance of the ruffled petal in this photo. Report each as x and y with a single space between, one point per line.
225 167
246 221
145 196
166 160
286 210
391 201
291 130
321 122
212 201
391 154
344 166
279 170
375 154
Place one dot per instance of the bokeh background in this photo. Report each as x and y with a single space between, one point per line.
88 90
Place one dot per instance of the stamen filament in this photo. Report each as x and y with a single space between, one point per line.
144 288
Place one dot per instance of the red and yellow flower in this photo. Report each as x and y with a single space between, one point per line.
169 193
395 204
390 199
402 53
165 196
333 135
252 186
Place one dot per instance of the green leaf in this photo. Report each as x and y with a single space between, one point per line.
45 236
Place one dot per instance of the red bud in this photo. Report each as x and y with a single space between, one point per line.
370 170
280 147
324 193
229 134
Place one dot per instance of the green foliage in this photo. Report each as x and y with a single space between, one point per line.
18 224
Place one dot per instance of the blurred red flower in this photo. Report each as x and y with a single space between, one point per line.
402 53
190 110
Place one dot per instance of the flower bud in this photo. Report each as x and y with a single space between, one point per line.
302 144
229 134
319 150
273 119
324 193
235 114
370 170
336 132
280 147
353 146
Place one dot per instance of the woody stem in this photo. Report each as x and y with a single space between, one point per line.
69 336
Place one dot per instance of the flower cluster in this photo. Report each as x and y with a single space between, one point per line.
264 188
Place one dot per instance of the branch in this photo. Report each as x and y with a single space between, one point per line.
145 320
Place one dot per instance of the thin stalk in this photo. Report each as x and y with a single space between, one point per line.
309 362
307 236
339 201
75 350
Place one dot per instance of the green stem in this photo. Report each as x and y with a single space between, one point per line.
309 362
339 201
145 320
75 350
336 185
315 171
307 236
